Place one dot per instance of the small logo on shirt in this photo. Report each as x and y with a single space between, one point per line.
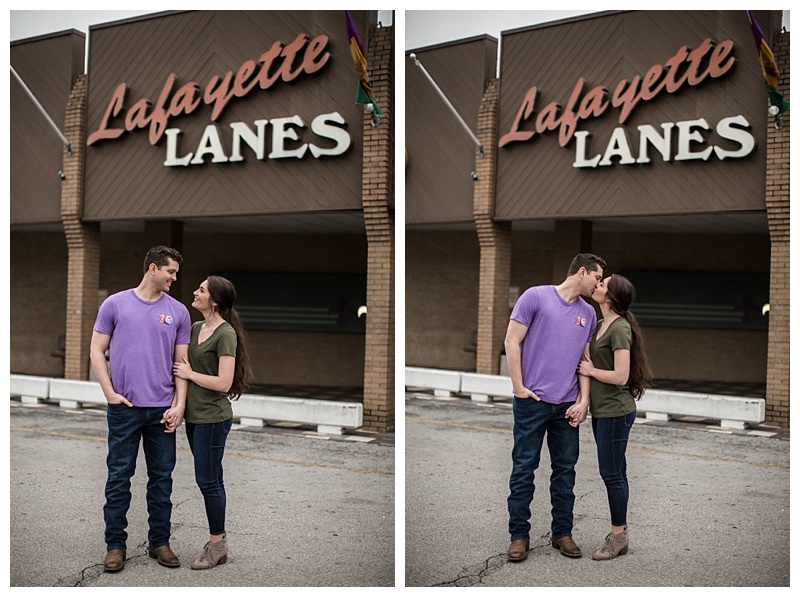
581 321
165 319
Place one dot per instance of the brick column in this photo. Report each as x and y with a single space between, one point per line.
777 196
376 192
570 237
494 239
83 242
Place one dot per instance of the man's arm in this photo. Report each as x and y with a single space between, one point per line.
97 356
173 416
181 385
578 411
514 337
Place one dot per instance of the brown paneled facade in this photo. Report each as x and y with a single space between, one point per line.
538 177
439 167
47 65
683 217
127 176
233 136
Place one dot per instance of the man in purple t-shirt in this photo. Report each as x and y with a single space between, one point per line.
549 329
145 331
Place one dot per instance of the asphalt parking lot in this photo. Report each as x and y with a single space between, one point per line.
304 510
708 508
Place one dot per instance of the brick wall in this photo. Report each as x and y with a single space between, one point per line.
441 299
38 298
494 239
376 193
778 213
83 242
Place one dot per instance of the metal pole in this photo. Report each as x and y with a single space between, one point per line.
41 109
449 105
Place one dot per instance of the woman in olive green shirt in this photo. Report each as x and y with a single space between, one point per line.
619 370
218 371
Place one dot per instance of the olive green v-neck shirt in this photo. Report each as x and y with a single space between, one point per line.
204 405
609 400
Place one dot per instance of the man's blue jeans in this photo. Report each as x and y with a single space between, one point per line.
207 442
532 421
126 427
611 436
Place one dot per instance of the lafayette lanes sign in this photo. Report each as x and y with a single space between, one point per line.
686 67
275 65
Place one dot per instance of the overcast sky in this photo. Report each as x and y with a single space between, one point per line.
429 27
422 28
30 23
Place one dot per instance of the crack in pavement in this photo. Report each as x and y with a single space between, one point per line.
94 571
474 575
87 574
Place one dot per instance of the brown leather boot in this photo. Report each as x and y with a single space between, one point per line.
115 560
213 553
164 555
518 550
613 546
567 546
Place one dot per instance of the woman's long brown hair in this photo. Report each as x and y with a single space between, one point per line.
223 294
621 294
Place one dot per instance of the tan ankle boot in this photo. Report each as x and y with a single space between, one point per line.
613 546
213 554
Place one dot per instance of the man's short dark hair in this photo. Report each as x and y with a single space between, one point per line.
161 256
588 260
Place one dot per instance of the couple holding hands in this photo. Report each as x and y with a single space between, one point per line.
564 364
162 370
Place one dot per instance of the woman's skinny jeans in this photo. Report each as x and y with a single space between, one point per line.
611 436
207 442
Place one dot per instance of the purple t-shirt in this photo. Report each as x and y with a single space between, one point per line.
142 348
557 333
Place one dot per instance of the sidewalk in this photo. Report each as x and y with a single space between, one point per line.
304 509
709 507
